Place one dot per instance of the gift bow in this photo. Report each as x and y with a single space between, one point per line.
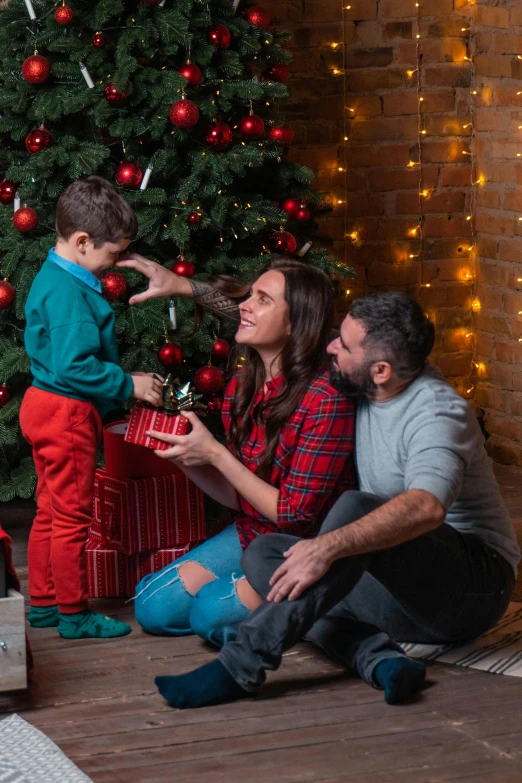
177 398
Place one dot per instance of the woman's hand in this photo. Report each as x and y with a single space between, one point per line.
306 562
199 447
162 283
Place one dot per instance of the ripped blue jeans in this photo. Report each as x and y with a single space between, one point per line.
164 607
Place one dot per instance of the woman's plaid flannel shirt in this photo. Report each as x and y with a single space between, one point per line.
313 462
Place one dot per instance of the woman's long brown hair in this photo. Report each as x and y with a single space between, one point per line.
309 295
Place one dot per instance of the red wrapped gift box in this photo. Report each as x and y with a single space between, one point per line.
139 515
143 419
126 460
115 575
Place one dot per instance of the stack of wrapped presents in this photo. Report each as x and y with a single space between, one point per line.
146 515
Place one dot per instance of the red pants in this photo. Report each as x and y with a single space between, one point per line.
64 434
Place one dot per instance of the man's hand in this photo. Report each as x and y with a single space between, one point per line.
162 283
148 387
306 562
199 447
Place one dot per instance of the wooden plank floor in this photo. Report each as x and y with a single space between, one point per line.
97 701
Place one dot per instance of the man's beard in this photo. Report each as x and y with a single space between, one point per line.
360 383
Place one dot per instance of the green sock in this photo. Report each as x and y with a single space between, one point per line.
43 616
90 625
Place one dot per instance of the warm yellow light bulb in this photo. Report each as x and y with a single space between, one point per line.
412 163
425 193
334 45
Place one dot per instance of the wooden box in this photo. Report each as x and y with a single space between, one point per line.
13 664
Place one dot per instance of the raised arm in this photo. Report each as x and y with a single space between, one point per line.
164 284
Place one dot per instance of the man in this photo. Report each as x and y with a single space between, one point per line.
423 552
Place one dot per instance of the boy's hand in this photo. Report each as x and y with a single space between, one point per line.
162 283
147 387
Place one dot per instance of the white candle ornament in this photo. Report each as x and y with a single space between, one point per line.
146 177
172 314
162 3
235 5
16 204
86 76
304 250
30 9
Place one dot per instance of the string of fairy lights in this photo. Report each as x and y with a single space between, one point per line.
416 233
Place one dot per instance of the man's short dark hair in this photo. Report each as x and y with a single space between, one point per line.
397 331
93 205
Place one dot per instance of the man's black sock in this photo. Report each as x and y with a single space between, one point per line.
400 677
210 684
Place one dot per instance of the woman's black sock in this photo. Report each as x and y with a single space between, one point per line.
210 684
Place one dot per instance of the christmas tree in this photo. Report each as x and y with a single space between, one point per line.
180 103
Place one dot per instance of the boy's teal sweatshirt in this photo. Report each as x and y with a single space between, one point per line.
70 336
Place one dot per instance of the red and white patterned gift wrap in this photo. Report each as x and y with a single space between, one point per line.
141 515
144 419
115 575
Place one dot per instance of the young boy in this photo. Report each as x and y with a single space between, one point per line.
71 342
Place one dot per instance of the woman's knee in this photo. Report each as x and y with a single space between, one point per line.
217 610
162 604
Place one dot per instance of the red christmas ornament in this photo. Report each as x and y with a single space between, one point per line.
5 395
251 127
7 295
191 73
184 114
291 206
170 355
38 140
283 242
194 218
114 286
303 214
220 36
279 72
214 405
220 351
209 380
128 175
115 98
219 136
184 268
7 192
283 134
25 219
257 16
64 14
36 69
99 40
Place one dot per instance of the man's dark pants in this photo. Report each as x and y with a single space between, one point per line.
442 587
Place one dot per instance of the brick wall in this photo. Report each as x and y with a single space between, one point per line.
499 230
383 204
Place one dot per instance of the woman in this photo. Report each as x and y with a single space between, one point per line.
288 455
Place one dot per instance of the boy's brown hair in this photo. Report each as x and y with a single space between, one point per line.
93 205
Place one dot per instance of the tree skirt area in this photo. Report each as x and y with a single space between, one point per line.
499 651
28 756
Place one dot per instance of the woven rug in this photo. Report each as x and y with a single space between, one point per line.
499 651
28 756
